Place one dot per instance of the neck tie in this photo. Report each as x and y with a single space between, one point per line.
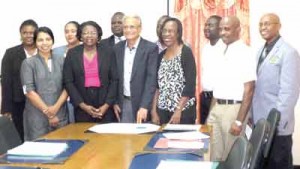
262 57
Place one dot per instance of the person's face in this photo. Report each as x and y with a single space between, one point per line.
211 29
229 31
26 33
89 36
117 25
169 33
132 29
269 27
70 33
44 42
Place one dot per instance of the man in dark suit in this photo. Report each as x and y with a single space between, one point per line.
116 29
13 99
137 69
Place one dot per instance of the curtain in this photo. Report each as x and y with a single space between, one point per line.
193 14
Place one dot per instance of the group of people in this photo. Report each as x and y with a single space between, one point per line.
239 88
126 78
119 79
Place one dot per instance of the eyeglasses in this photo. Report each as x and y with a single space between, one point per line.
89 33
267 24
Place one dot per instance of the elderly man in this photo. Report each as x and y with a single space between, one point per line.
137 69
277 86
233 89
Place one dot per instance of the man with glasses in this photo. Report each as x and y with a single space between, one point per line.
277 86
137 67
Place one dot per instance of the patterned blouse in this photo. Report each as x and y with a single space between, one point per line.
171 82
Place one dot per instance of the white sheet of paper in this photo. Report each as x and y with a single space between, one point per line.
184 144
182 164
124 128
46 149
180 127
189 135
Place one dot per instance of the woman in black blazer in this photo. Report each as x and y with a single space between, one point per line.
90 76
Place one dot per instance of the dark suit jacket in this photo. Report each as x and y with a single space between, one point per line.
143 77
74 78
110 41
11 82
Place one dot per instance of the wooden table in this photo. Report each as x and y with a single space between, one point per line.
102 151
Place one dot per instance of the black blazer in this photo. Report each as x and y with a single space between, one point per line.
74 79
143 77
189 70
11 81
110 41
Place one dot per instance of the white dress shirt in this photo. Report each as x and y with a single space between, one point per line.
128 63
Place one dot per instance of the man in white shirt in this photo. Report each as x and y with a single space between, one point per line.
209 57
233 89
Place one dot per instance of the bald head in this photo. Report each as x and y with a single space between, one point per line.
230 29
269 26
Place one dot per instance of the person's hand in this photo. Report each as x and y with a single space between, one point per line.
89 109
235 129
100 112
8 115
141 115
51 111
175 119
154 117
117 112
54 121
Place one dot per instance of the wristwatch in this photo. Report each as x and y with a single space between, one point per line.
238 123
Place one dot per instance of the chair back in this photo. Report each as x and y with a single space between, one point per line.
258 141
273 119
9 136
239 155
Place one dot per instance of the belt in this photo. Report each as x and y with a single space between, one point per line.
223 101
127 97
207 94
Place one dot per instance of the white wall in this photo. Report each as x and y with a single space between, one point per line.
56 13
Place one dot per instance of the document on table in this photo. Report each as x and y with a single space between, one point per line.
182 127
124 128
38 149
179 144
180 164
189 135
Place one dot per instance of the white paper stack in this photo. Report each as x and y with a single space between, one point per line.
185 164
38 149
124 128
182 127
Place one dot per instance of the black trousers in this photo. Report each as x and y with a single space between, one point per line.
17 117
96 98
205 101
280 156
188 116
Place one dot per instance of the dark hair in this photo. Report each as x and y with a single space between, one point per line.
45 30
179 29
216 17
28 22
91 23
118 14
73 22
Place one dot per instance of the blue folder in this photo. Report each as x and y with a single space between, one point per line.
151 160
157 136
73 146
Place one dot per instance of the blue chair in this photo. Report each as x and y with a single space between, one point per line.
9 136
258 141
239 155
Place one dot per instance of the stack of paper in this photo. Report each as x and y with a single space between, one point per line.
182 127
38 149
180 164
124 128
